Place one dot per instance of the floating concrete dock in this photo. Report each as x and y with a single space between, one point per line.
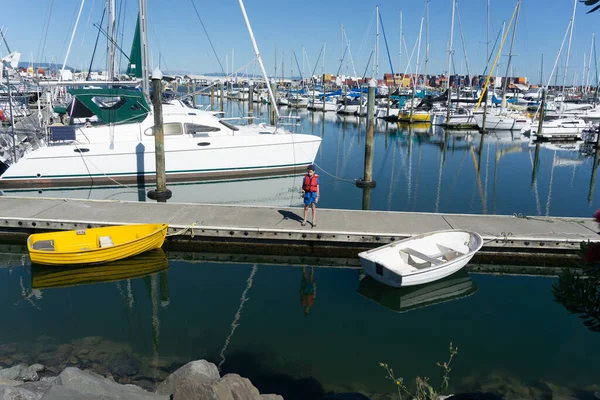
517 240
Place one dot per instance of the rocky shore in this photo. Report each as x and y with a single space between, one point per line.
97 368
195 380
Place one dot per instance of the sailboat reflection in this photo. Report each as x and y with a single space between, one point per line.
410 298
44 277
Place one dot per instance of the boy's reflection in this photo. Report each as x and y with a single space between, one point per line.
308 290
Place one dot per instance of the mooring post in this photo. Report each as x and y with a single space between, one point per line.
251 104
346 99
389 99
485 99
212 97
273 111
594 169
366 199
449 103
541 121
161 194
194 93
368 181
222 95
536 162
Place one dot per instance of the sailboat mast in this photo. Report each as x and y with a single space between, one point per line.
589 68
144 45
111 39
450 44
377 45
542 72
569 46
487 41
257 53
512 42
323 61
426 40
401 41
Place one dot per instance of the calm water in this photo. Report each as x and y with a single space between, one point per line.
510 331
252 319
416 169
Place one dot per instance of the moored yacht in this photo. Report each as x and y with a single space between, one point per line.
198 146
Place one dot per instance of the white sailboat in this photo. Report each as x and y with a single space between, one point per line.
198 145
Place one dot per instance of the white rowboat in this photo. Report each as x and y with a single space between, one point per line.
421 259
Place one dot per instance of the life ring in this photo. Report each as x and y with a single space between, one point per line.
2 116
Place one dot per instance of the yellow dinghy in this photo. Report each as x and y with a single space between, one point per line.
95 245
151 262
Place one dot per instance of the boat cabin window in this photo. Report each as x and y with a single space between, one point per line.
228 125
108 102
170 129
197 128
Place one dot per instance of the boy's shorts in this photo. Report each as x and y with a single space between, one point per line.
310 197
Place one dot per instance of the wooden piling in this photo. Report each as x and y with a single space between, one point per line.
250 104
222 96
485 104
161 194
194 94
367 181
273 106
541 121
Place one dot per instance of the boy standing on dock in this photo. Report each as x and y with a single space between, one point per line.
310 191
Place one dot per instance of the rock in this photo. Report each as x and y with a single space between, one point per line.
188 389
63 393
11 373
17 393
37 367
144 384
123 364
19 372
237 388
89 384
196 371
271 397
64 351
40 387
9 382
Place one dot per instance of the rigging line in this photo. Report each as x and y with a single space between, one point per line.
45 35
367 66
318 58
298 65
111 40
462 36
208 37
492 52
342 60
87 24
388 50
120 22
367 33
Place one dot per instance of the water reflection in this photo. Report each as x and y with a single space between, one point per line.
401 300
151 262
308 289
280 191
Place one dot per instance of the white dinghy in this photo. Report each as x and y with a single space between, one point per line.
421 259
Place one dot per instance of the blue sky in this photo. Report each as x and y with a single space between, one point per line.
175 33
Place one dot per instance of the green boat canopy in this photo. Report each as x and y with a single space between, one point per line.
114 106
